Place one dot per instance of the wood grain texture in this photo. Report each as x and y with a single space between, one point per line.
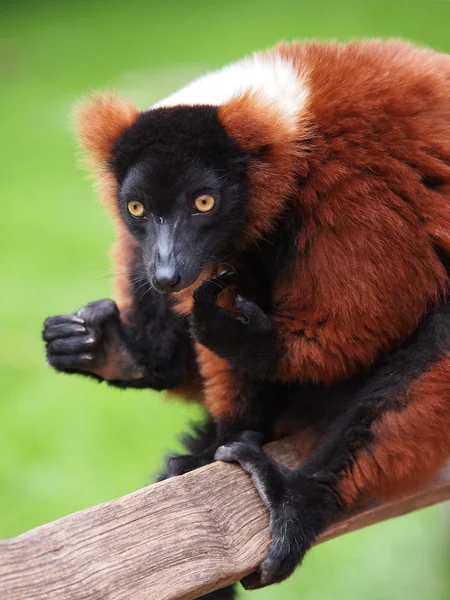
173 540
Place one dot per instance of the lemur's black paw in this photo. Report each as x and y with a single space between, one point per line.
74 340
246 443
207 292
296 516
179 465
223 331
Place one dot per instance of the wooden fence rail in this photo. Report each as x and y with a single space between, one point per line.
177 539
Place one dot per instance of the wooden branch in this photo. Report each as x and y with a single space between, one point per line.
177 539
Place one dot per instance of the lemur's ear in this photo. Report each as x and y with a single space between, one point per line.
255 122
100 121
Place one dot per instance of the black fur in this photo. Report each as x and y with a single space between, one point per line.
161 338
261 404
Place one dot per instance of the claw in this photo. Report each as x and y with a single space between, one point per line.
271 570
77 320
225 454
209 290
252 313
238 449
227 277
252 581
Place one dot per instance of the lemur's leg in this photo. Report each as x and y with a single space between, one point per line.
393 437
198 443
235 403
152 349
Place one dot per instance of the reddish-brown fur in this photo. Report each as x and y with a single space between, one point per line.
100 122
220 390
367 269
410 445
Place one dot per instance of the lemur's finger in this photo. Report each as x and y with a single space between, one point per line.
279 563
63 319
98 311
72 345
252 313
226 278
70 361
65 329
209 290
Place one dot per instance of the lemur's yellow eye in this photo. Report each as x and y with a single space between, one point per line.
204 203
136 208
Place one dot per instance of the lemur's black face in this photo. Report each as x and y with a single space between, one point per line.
182 192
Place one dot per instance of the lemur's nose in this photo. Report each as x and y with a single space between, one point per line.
166 279
166 274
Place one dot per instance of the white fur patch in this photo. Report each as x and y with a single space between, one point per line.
271 77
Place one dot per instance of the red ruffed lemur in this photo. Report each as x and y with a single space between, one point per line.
283 257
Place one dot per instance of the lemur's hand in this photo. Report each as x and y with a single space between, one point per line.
241 338
91 341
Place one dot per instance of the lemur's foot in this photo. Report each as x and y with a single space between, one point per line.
179 465
295 504
91 341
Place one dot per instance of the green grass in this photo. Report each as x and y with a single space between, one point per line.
65 443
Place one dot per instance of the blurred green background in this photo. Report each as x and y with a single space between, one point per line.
66 443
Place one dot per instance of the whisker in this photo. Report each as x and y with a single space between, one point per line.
150 288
